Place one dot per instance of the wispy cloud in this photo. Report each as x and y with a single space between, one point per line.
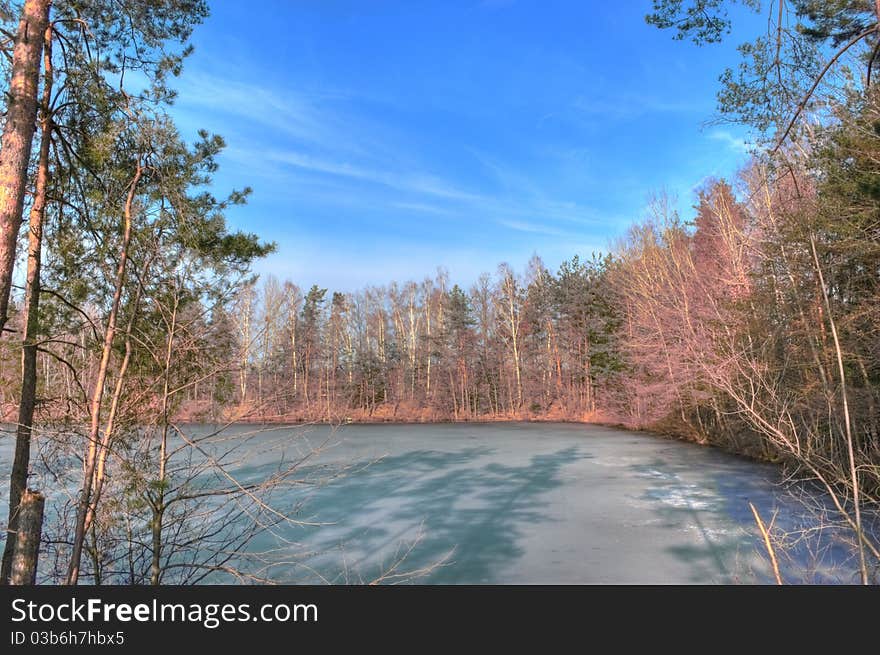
422 208
734 143
258 103
628 106
319 133
533 228
419 183
529 200
315 150
303 117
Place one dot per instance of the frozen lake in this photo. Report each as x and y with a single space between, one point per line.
540 503
531 503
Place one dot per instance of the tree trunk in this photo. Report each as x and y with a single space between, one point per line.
307 365
158 503
430 346
853 470
98 393
115 399
27 545
18 133
31 321
514 338
294 362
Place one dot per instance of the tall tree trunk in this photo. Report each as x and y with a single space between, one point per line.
454 395
307 365
514 339
850 450
18 133
294 362
412 344
430 346
27 547
21 461
116 398
158 503
98 393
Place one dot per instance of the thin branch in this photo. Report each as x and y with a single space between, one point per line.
803 103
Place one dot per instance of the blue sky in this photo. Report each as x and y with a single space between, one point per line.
385 139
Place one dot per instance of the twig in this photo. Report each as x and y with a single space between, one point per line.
767 544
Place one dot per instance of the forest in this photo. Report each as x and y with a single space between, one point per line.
129 307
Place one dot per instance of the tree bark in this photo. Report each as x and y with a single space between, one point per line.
157 504
31 321
18 134
110 425
98 393
27 545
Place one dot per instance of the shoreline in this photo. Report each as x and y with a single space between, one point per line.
661 432
657 432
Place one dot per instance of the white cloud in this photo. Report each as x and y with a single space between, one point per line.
533 228
318 150
422 207
734 143
420 183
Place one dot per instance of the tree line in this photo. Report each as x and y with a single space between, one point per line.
509 346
